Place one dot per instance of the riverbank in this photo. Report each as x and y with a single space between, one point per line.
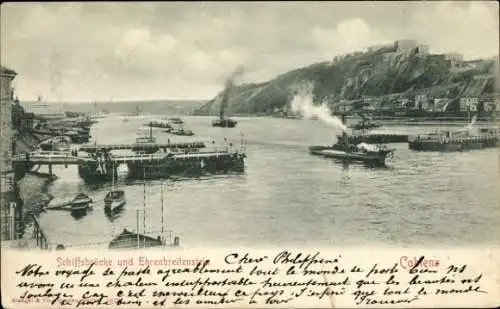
33 190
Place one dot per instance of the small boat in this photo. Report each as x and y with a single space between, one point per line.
114 200
80 204
60 143
132 240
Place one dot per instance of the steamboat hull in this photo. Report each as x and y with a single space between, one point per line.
453 144
190 165
376 159
224 123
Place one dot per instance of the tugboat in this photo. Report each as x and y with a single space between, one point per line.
343 150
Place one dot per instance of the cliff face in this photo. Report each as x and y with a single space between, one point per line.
373 74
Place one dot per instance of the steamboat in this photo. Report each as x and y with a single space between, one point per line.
375 155
222 121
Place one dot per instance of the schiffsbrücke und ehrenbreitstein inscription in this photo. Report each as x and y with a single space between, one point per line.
258 278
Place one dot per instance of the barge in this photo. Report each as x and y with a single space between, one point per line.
162 124
376 138
445 141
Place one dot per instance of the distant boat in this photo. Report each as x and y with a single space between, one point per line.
95 114
160 124
174 120
224 123
180 131
146 143
43 111
364 124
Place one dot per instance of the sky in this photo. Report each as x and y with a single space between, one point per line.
111 51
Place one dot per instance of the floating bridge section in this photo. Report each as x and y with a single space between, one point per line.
95 148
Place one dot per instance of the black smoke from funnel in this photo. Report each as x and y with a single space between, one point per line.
230 80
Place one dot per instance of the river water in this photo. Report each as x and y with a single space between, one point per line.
286 197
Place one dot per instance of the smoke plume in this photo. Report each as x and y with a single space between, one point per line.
230 80
303 103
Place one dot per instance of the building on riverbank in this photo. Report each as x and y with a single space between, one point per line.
7 182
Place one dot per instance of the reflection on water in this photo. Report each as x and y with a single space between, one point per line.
113 214
290 197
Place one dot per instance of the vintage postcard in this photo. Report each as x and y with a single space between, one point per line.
250 154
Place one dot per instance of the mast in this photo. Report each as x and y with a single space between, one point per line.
162 214
113 179
137 223
144 204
